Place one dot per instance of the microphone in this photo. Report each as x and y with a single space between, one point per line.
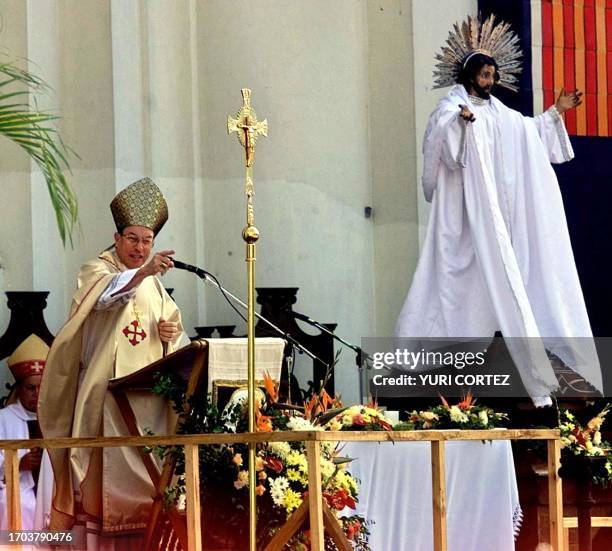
302 317
189 268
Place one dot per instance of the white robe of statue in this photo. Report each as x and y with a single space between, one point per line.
497 253
14 426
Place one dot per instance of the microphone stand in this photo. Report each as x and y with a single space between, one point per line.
209 278
358 359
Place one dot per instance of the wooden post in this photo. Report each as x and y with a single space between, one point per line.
438 493
315 496
192 482
13 497
555 495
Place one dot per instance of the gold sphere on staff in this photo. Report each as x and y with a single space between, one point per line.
250 234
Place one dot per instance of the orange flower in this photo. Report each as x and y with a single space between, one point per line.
271 387
264 423
326 400
372 403
309 407
467 402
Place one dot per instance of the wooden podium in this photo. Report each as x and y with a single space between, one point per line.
166 528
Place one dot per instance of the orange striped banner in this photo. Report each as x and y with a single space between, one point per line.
577 53
580 67
602 73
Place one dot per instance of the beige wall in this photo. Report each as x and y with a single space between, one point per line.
145 88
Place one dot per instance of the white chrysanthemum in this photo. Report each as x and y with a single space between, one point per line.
300 424
457 415
428 415
484 418
278 487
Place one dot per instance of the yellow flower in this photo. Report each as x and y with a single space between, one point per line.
334 424
293 475
344 481
292 500
327 468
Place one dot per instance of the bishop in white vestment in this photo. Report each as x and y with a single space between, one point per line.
121 320
26 364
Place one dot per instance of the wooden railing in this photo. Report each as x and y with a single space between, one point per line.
313 449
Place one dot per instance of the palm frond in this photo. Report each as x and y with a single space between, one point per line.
25 125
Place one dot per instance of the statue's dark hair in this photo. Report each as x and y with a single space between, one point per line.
474 64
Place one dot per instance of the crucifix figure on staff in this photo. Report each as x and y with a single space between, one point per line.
248 128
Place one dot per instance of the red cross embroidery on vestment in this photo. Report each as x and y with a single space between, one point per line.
132 333
37 367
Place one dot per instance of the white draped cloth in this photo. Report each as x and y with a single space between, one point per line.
483 510
14 426
497 253
228 359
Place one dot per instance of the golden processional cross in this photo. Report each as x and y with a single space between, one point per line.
248 129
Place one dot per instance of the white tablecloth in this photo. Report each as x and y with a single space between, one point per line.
483 511
228 359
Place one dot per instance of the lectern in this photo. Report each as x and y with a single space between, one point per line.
191 363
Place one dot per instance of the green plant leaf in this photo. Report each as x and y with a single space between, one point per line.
24 124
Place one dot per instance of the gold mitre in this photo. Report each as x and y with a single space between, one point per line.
29 358
140 204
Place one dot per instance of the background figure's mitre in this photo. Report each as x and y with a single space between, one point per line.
471 37
140 204
29 358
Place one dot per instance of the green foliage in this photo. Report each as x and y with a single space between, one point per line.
35 132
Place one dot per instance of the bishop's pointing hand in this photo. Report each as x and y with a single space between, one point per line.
160 263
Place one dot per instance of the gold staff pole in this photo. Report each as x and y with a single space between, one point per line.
248 128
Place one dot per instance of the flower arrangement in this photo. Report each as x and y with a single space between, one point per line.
359 417
282 468
586 441
466 414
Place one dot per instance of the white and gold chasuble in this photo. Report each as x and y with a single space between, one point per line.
109 334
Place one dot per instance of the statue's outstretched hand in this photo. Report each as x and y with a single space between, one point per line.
466 114
567 101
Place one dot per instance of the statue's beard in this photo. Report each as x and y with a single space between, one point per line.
484 93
